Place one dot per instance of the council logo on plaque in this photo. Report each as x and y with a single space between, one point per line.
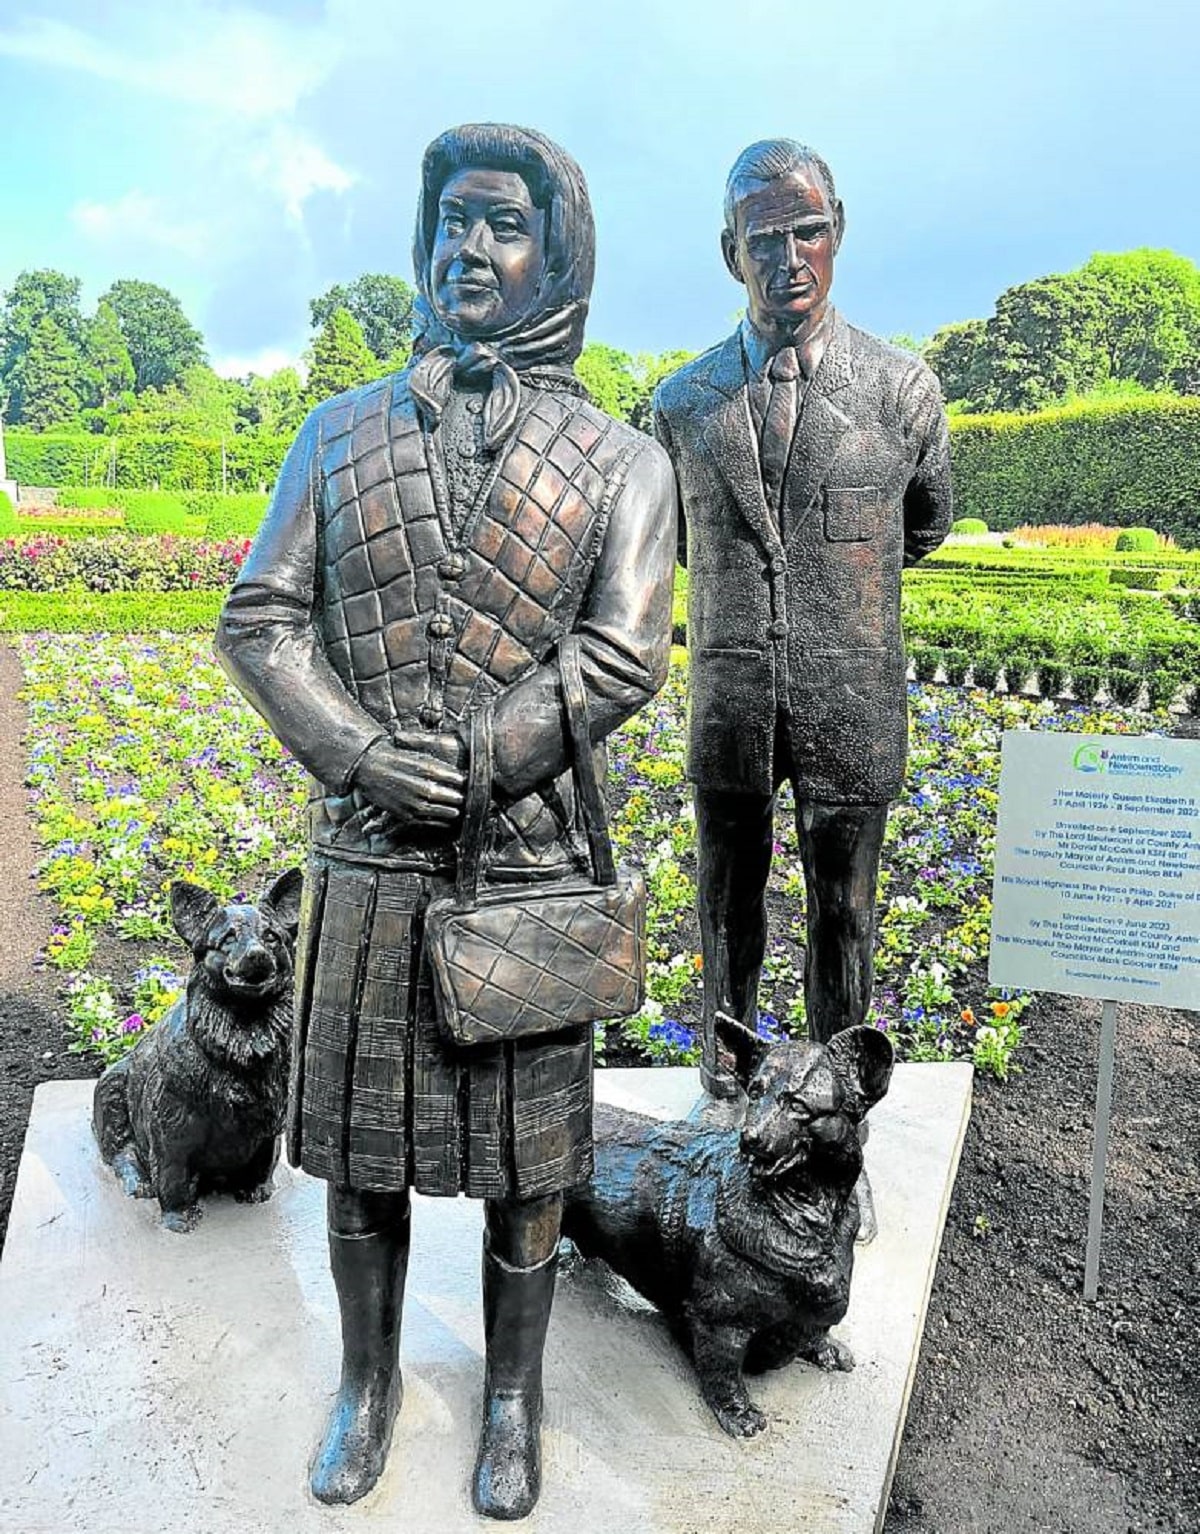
1088 759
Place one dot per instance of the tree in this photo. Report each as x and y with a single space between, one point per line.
201 404
958 355
341 359
382 305
272 405
651 370
1150 321
49 375
109 364
1044 343
608 376
161 339
33 297
1131 318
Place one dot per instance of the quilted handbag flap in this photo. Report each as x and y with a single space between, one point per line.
562 956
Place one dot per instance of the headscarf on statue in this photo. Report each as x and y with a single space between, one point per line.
545 343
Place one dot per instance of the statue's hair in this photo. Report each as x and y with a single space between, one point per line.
766 160
555 183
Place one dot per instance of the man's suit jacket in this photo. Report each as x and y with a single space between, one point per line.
803 627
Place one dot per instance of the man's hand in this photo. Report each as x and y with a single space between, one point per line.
417 780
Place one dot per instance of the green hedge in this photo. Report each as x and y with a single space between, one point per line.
8 517
123 612
171 463
190 512
1126 463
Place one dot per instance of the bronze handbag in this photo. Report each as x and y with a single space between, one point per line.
509 962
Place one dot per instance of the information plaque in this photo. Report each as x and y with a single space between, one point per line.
1097 887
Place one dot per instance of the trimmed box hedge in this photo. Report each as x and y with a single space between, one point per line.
1129 463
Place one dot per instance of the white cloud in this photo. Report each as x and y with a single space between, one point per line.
138 220
237 61
245 74
269 360
295 167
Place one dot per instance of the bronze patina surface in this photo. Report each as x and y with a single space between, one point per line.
813 462
432 539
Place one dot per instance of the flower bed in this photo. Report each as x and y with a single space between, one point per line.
145 767
120 562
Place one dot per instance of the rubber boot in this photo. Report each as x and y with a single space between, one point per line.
516 1312
368 1272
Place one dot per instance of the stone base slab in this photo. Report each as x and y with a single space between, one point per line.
150 1381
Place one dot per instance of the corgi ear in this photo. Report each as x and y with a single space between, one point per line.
284 898
863 1058
193 911
746 1047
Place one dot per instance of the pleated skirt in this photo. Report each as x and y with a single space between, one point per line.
381 1097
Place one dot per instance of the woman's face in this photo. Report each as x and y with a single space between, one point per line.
489 252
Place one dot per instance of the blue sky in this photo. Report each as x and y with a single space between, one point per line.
246 155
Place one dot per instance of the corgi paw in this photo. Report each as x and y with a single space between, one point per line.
740 1420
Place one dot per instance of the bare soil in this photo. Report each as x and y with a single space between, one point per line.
1032 1412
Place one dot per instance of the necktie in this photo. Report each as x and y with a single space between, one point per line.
779 422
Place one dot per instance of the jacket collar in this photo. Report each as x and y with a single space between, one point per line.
732 443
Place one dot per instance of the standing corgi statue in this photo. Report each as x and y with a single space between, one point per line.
744 1239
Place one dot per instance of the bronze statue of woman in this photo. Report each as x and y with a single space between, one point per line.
432 538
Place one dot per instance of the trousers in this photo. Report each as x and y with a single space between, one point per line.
840 846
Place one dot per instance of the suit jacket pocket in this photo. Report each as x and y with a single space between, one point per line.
731 719
852 514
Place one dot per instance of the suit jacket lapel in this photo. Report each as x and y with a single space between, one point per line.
731 442
820 427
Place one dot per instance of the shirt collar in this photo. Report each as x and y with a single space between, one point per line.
758 350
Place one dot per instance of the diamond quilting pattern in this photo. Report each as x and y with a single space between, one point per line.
527 548
539 964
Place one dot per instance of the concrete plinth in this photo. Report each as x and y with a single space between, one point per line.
150 1381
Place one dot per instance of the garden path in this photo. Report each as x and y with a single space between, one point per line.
33 1044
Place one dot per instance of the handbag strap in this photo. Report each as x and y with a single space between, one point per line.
475 807
589 794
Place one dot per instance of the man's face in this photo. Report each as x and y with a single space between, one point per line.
488 253
785 238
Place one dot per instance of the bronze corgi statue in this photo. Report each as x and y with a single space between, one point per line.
744 1239
198 1104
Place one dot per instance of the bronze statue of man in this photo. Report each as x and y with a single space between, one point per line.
813 464
432 538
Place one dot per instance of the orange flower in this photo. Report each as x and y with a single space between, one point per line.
968 1016
1000 1009
697 962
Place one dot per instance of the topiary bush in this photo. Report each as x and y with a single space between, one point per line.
1136 540
1017 667
956 664
1162 685
925 662
1123 686
985 670
1085 683
1051 674
969 526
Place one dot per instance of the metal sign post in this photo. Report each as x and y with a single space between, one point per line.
1104 1086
